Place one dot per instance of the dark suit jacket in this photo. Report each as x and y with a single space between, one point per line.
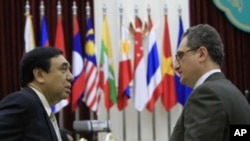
209 111
23 118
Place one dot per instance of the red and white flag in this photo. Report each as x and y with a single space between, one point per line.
140 82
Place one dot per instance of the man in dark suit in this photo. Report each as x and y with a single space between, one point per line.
45 78
215 103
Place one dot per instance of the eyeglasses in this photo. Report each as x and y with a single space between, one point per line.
180 54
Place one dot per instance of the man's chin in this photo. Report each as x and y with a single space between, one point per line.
65 96
183 82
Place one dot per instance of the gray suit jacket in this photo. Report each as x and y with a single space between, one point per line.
209 111
23 118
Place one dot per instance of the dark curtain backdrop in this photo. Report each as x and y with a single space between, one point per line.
12 21
236 65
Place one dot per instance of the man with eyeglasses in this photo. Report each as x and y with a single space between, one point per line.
215 103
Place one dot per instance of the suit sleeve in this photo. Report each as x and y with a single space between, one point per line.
205 116
13 117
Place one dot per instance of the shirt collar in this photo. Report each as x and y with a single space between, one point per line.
43 100
205 76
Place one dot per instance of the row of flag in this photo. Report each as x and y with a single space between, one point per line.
91 81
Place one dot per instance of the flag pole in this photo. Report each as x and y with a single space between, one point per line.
153 114
77 112
124 124
168 113
27 8
139 125
88 15
124 111
138 112
104 10
29 35
169 123
153 125
59 11
42 10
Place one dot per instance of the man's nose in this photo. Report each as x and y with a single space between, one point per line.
176 65
70 77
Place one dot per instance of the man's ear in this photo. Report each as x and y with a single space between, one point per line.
38 75
203 53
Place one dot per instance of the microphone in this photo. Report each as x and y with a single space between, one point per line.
92 125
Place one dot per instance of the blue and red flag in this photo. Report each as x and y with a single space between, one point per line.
153 69
77 66
44 39
182 91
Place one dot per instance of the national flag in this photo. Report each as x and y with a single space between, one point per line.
91 96
182 91
153 69
59 40
59 43
125 72
140 81
169 92
107 77
44 39
77 66
29 38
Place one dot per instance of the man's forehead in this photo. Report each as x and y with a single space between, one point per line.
59 60
183 45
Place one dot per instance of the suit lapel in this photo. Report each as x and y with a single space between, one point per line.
45 115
